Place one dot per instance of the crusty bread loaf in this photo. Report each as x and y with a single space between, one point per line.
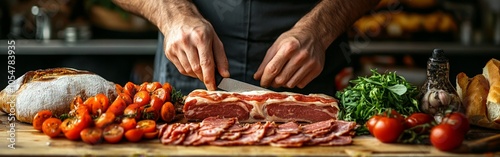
475 101
51 89
462 84
493 103
492 71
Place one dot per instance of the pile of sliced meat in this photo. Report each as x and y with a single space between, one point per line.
229 132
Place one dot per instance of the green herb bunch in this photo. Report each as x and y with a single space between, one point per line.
368 96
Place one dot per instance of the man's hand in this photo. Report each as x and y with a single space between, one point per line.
295 59
192 45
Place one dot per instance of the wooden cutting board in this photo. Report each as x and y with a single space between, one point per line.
31 142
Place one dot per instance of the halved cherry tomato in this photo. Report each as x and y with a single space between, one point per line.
117 107
77 101
167 112
72 127
167 87
40 117
146 125
444 137
142 87
151 87
156 102
129 89
458 120
142 98
150 113
51 128
104 101
113 133
105 119
91 135
128 123
134 135
133 111
126 98
98 103
162 94
151 135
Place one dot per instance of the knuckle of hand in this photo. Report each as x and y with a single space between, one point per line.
271 69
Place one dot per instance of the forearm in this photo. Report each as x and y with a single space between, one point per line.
330 18
162 13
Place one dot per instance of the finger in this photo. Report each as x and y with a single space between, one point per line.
269 55
194 61
290 69
297 77
275 66
170 53
207 65
220 57
184 62
308 78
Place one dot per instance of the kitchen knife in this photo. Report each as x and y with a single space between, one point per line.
232 85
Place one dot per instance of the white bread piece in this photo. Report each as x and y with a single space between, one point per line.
493 103
51 89
492 71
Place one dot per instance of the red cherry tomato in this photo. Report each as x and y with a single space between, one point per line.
142 98
459 122
445 138
91 135
370 124
72 127
134 135
418 119
146 125
51 128
388 129
105 119
40 117
113 133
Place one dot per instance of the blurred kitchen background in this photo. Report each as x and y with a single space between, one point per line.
98 36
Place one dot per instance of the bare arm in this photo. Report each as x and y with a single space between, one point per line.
190 43
298 55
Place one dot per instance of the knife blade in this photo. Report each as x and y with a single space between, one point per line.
232 85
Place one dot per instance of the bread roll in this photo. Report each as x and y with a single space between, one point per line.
491 71
51 89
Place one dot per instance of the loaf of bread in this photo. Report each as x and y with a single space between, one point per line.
481 95
51 89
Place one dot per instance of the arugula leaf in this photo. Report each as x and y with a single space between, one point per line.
368 96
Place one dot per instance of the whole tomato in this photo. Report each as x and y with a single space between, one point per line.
445 138
418 119
459 122
388 129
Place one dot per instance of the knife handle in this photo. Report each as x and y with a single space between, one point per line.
488 144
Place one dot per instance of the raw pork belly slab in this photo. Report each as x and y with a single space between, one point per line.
255 106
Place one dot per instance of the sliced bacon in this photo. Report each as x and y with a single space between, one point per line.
292 141
290 128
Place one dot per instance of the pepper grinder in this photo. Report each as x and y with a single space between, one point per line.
437 95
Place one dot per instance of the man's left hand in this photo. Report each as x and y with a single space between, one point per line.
294 60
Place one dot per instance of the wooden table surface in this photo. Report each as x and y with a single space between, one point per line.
30 142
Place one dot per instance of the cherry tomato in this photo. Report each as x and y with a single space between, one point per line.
128 123
162 94
156 102
151 87
418 119
146 125
40 117
51 128
91 135
388 129
113 133
150 113
459 122
134 135
151 135
445 138
98 104
142 87
133 111
394 114
77 101
105 119
167 112
370 124
142 98
126 98
117 107
72 127
167 87
129 89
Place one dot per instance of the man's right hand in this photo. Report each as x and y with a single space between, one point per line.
192 45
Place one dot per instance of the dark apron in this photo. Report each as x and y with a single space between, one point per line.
247 28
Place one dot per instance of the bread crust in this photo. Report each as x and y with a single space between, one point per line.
51 89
